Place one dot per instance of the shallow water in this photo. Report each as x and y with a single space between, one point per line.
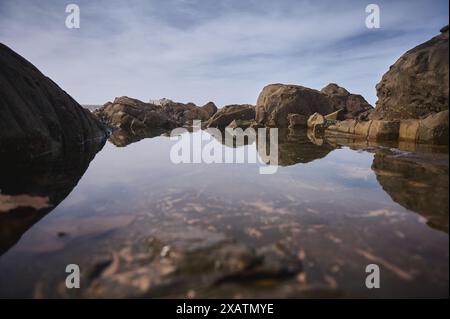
140 226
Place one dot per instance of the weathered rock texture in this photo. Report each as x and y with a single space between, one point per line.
37 116
351 105
127 113
134 115
417 84
229 113
277 101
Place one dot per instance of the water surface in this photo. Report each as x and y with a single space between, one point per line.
140 226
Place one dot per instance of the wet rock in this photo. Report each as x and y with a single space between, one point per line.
416 86
224 116
277 101
37 115
351 105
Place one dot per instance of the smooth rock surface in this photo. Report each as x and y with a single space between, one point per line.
37 116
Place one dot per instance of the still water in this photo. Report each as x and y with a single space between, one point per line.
139 225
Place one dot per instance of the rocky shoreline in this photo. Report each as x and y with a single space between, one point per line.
412 105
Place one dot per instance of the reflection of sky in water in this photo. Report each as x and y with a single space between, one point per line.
124 180
332 206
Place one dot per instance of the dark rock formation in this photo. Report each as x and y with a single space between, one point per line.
37 115
416 86
229 113
277 101
351 105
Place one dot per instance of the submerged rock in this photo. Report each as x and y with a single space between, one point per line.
277 101
37 115
416 86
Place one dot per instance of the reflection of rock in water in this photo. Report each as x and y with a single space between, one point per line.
418 182
121 138
295 147
30 191
228 136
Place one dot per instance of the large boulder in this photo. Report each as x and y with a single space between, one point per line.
277 101
227 114
417 84
351 105
37 116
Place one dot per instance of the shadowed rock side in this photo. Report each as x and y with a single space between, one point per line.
229 113
417 84
32 190
37 116
417 181
351 105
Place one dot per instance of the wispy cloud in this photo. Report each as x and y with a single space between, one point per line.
224 51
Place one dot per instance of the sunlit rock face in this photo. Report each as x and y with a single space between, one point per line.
417 84
37 116
418 182
29 191
277 101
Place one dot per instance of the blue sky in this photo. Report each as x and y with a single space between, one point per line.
224 51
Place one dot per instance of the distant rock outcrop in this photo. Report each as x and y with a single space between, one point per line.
37 116
227 114
416 86
352 105
132 114
277 101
